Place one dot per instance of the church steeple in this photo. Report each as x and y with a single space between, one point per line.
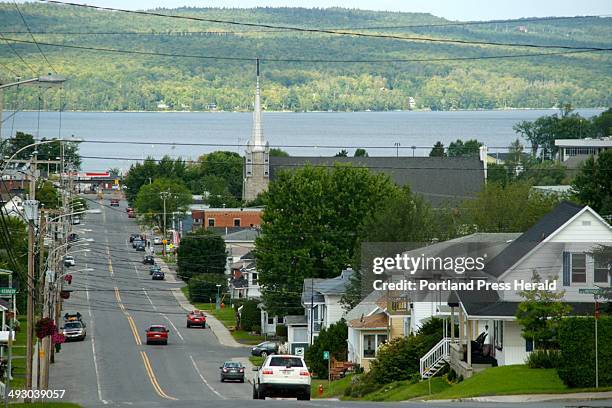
257 153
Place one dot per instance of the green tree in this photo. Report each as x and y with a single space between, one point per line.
149 200
226 165
464 149
540 314
21 140
47 194
201 252
511 208
361 153
342 153
593 183
602 124
437 150
53 151
276 152
250 316
310 226
14 254
203 287
333 339
217 193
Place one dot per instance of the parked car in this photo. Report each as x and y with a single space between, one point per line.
153 269
76 220
157 241
69 260
158 275
196 318
131 214
283 376
134 236
136 242
73 237
265 349
157 333
232 370
128 209
72 317
74 330
148 260
141 246
114 202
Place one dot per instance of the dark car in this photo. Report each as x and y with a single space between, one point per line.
148 260
114 202
232 370
134 236
141 246
265 349
73 237
153 269
158 275
136 242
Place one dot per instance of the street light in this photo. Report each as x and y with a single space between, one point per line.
218 301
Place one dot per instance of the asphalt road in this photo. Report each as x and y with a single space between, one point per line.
114 366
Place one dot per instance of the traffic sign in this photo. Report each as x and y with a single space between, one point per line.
8 291
326 355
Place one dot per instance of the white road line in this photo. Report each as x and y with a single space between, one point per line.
136 269
93 342
204 379
178 333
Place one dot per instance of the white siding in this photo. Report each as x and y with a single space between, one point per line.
334 310
354 355
513 350
584 228
421 311
297 334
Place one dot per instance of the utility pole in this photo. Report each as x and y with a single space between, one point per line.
43 357
164 196
31 211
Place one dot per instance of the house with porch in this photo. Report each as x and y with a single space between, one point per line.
561 248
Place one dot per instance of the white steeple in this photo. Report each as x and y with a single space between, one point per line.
257 142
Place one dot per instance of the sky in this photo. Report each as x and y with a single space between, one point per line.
449 9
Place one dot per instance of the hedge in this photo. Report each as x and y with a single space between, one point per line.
577 343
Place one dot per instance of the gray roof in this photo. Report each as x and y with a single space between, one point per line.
246 234
365 307
437 179
295 320
532 237
508 309
322 287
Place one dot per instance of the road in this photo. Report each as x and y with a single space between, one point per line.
114 366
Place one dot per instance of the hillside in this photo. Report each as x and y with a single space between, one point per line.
114 81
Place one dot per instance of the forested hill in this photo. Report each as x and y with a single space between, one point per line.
100 80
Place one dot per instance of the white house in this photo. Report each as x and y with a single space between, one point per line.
14 207
243 282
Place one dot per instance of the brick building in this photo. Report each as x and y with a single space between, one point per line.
226 218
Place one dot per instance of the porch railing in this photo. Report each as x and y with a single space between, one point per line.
435 358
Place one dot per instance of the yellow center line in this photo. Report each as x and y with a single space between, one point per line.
153 379
129 318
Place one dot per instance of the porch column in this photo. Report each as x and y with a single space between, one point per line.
452 324
469 343
461 326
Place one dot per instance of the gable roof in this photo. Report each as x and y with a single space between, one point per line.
437 179
377 321
521 246
323 287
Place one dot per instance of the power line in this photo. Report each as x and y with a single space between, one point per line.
9 69
33 38
17 54
316 30
305 60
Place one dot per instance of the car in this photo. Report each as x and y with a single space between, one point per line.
153 269
141 246
74 330
69 260
232 370
131 214
76 221
128 209
148 260
265 349
285 376
157 333
157 241
134 236
158 275
136 242
196 318
72 317
73 237
114 202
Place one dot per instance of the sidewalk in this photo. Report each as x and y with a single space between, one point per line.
218 329
577 396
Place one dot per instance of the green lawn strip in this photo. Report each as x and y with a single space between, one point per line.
510 380
256 361
337 387
227 316
404 390
47 405
18 352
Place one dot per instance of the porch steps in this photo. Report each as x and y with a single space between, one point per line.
435 358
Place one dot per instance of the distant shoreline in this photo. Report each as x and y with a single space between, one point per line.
288 111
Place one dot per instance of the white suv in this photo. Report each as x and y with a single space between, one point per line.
282 376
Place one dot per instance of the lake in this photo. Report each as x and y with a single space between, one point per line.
305 134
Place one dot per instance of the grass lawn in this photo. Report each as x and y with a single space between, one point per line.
337 387
256 361
19 352
509 380
227 316
47 405
404 390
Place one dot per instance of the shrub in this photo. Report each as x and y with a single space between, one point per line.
361 385
281 330
256 328
250 316
203 287
577 342
544 359
451 376
332 339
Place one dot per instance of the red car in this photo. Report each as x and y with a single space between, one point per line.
196 318
128 209
114 202
157 334
131 214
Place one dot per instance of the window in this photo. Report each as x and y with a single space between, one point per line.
528 345
601 270
270 320
280 320
286 362
236 222
578 268
254 278
211 222
498 333
371 343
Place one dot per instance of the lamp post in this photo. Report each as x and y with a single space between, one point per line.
218 301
